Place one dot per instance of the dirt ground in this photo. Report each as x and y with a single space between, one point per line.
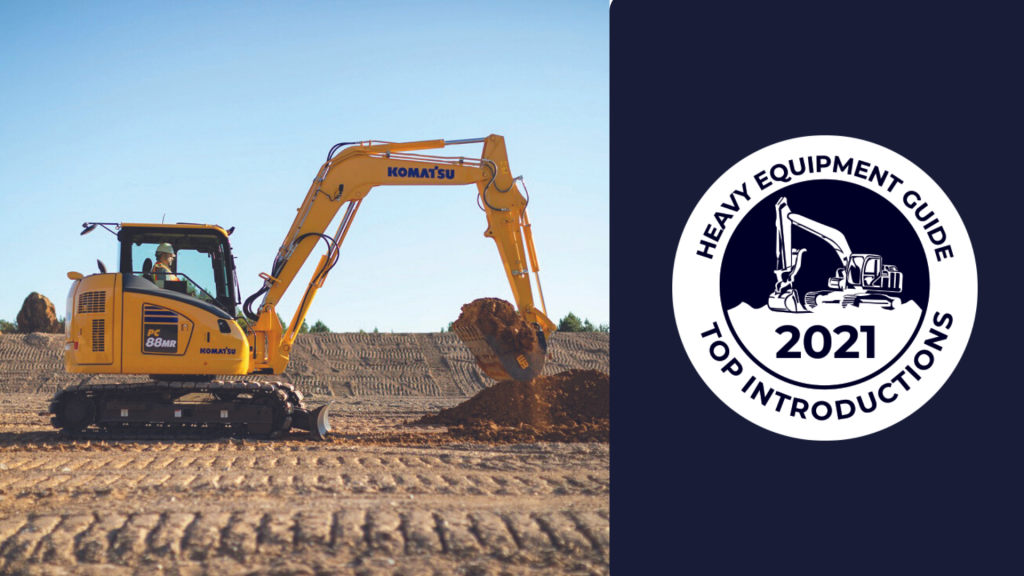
380 496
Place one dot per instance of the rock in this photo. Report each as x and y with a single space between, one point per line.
38 315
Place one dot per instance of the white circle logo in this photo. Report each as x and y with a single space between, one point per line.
825 288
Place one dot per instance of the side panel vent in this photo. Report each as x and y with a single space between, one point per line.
94 315
92 302
98 334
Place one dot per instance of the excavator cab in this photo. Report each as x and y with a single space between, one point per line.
868 272
203 265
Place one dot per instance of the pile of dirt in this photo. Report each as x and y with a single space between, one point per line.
571 406
496 317
38 315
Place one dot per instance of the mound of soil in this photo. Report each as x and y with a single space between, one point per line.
571 406
496 317
38 315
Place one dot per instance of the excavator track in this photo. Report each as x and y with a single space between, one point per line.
183 410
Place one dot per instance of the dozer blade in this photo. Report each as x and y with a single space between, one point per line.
499 361
316 422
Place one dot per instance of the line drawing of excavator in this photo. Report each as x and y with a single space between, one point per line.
863 279
192 331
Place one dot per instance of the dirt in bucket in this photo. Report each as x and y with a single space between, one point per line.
571 406
496 317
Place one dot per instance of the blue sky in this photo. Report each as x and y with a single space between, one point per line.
222 113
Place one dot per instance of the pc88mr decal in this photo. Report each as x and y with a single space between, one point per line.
825 288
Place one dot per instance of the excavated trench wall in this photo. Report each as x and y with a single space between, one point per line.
328 364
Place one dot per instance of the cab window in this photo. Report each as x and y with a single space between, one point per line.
197 266
856 264
202 259
871 268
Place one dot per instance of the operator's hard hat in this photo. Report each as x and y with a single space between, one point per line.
165 247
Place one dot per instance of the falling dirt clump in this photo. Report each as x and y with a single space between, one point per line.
496 317
38 315
571 406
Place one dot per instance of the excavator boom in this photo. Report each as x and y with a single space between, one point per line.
345 180
834 237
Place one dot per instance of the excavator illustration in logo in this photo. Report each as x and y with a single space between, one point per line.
863 279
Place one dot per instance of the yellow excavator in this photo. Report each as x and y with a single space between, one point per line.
183 322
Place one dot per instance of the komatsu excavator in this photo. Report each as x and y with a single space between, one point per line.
190 332
863 280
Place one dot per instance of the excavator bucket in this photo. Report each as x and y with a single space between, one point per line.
498 359
786 302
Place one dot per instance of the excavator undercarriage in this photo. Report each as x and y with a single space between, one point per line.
186 410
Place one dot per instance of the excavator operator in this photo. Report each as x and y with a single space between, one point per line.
162 268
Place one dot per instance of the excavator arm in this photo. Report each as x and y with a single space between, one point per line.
787 259
833 237
784 252
344 180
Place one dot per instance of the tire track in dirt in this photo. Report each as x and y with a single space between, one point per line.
141 483
437 367
50 463
141 538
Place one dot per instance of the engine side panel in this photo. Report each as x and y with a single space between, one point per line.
167 336
114 331
93 325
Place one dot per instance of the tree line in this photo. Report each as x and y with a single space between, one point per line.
571 323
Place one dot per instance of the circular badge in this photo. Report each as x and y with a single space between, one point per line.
825 288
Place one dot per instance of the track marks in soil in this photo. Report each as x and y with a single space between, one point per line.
412 365
449 484
138 456
144 538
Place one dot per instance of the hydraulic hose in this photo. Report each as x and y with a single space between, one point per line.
247 308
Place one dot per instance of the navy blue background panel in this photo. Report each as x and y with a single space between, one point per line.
697 488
